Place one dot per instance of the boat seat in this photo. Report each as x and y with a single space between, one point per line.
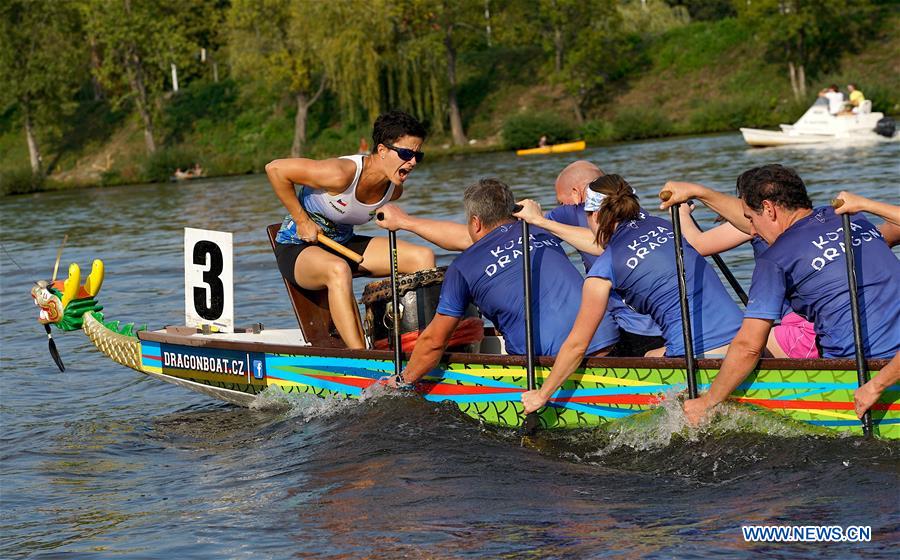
311 308
865 107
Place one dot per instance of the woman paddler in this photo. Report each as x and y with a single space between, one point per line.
638 263
335 195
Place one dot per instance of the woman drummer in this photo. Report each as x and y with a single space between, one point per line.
335 195
638 263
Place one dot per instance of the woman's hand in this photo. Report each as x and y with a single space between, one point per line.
308 231
530 212
533 400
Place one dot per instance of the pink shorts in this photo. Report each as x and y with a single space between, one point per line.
797 337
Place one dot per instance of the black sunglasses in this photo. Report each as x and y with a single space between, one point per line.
406 154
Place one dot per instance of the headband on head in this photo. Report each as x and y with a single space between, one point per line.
593 200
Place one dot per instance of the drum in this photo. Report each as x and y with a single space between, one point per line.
419 294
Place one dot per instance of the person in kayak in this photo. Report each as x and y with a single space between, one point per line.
638 263
489 273
805 265
335 195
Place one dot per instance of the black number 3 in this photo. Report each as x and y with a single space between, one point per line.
211 278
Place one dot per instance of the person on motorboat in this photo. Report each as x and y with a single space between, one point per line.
489 274
856 98
638 263
805 265
639 335
335 195
834 97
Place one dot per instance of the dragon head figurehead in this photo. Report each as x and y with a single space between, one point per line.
64 302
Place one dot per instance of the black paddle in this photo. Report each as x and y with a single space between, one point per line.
862 376
720 262
54 353
395 297
685 312
532 420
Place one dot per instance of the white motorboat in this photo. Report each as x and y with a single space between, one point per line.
817 125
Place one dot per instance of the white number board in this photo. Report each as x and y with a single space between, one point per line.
208 279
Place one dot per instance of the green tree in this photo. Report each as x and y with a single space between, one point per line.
139 41
584 39
267 45
808 36
442 29
42 65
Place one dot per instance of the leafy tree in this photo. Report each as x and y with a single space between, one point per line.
584 38
138 42
809 36
42 65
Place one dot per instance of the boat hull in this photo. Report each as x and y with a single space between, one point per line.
488 387
554 149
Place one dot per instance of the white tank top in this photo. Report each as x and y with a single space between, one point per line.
335 214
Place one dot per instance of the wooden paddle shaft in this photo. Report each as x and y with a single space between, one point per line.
338 248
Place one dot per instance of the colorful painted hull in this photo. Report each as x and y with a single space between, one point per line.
488 387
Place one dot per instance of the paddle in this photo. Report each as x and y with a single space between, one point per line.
720 262
532 420
862 376
337 247
685 313
395 296
54 352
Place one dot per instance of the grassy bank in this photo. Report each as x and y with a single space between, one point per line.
699 78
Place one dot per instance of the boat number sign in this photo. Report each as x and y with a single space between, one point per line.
208 279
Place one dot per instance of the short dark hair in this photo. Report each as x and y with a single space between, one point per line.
393 125
489 199
777 183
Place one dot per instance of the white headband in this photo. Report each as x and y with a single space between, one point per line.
593 200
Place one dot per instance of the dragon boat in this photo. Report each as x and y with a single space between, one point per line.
485 385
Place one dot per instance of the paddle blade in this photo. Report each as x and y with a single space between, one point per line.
531 424
54 353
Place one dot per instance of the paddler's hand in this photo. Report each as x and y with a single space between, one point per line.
864 398
391 217
533 400
308 231
530 212
852 204
696 410
678 192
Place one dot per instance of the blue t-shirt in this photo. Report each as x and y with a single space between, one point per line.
640 262
759 247
806 265
627 318
490 274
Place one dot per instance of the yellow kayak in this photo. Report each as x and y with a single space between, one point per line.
554 149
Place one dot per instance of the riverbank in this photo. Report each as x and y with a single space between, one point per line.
704 77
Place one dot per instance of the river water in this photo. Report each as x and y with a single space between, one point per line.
99 462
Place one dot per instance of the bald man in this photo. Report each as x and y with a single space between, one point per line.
639 334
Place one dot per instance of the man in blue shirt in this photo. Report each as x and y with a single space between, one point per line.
805 264
489 273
